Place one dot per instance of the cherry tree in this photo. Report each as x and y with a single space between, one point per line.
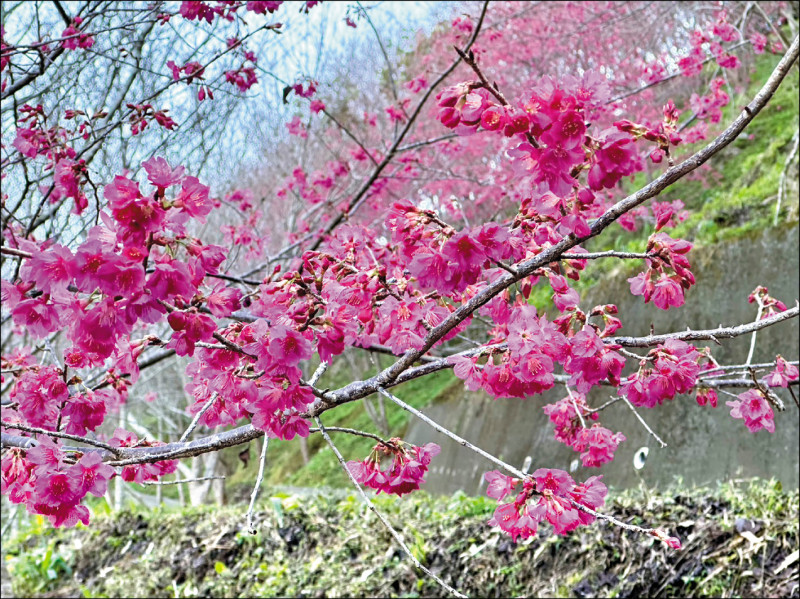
508 140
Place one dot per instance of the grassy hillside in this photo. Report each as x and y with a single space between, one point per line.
740 539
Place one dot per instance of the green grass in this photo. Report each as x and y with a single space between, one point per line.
328 544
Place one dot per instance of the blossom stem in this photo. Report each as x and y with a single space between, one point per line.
352 431
178 482
608 254
752 349
575 405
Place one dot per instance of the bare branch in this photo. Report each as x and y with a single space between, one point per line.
42 431
198 416
608 254
640 419
351 431
453 436
261 464
178 482
720 333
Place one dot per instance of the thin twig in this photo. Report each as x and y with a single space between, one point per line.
608 254
604 406
9 521
15 252
726 370
318 373
384 521
575 405
515 471
351 431
198 416
262 462
644 424
794 397
782 180
632 527
753 338
772 26
185 480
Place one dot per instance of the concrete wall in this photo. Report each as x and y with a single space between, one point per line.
704 444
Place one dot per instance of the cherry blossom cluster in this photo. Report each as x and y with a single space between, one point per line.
189 72
75 38
36 138
752 407
664 134
318 186
703 44
546 495
667 276
142 114
406 472
536 345
668 370
141 473
596 444
47 483
783 374
551 496
768 304
710 106
125 273
554 144
207 11
243 77
52 480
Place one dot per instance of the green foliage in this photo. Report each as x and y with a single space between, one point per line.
328 543
41 567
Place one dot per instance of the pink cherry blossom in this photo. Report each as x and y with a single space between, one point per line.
160 174
783 374
500 485
754 409
92 474
51 269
